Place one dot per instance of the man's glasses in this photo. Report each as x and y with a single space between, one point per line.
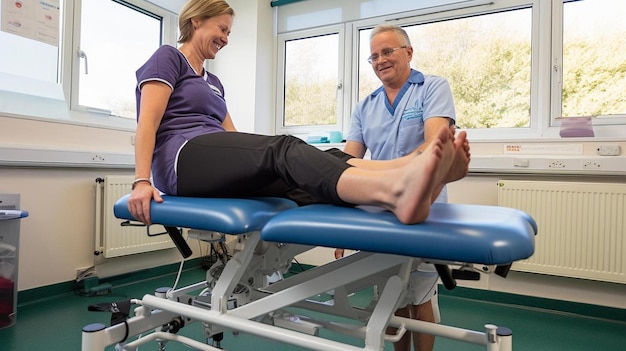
383 54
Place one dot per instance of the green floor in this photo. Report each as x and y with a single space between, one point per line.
55 324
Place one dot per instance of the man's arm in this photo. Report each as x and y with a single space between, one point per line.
354 149
431 126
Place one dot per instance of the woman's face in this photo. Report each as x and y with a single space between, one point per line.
211 34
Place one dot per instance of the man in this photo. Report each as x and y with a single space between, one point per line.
402 115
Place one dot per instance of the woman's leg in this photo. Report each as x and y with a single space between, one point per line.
406 191
240 164
281 189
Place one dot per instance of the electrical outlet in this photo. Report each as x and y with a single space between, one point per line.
556 164
609 150
591 165
97 158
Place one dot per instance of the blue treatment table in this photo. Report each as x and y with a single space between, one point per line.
271 232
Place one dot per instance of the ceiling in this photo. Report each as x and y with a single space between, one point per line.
172 5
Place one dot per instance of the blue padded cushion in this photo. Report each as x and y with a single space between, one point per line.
12 214
229 216
452 232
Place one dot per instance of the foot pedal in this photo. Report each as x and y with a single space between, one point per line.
503 270
462 274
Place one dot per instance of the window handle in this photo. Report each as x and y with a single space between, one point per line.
83 55
556 68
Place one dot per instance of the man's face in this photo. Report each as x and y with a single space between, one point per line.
392 60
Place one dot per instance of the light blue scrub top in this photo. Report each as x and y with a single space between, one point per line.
392 131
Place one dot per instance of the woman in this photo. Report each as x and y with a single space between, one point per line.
186 138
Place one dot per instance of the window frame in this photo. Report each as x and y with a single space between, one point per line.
603 125
62 107
90 115
546 52
429 16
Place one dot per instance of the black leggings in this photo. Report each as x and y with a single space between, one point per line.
233 164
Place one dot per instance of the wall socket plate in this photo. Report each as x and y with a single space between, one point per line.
609 150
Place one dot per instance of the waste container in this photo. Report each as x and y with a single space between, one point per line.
10 216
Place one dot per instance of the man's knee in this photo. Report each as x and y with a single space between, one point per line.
424 312
403 312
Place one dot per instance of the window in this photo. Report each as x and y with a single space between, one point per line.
75 60
594 60
310 93
111 51
514 66
311 72
32 27
486 58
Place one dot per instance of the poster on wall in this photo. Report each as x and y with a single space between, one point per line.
32 19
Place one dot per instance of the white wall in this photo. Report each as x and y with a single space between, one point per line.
245 66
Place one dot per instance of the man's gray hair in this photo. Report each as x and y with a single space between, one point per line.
401 33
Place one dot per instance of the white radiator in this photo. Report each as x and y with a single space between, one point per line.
581 227
113 239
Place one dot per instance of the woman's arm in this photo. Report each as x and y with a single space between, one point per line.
154 98
228 124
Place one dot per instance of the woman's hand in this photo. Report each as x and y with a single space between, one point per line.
139 201
338 253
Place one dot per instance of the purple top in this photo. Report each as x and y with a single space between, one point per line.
196 106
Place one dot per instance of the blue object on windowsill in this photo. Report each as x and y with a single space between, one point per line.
316 139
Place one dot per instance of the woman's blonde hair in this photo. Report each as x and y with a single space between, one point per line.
200 9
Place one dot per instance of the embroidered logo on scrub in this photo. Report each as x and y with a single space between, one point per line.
413 113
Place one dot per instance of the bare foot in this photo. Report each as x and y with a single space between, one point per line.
423 176
460 163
